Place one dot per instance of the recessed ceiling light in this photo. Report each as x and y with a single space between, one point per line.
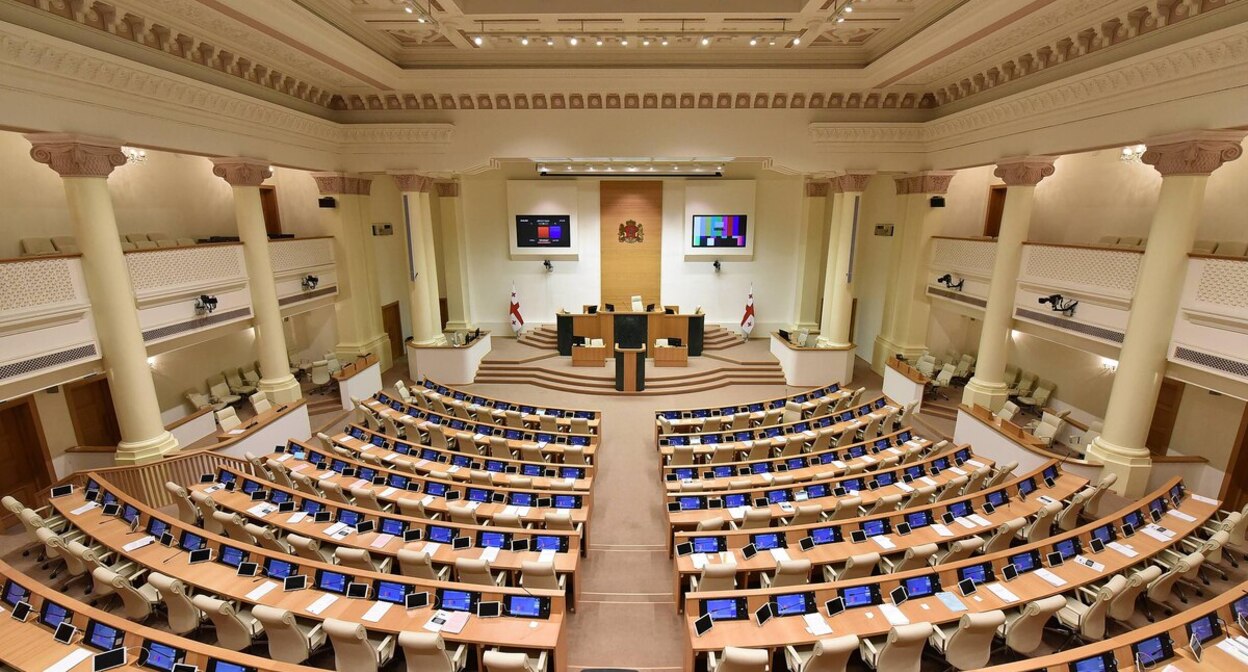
840 19
589 169
706 41
771 43
797 41
478 40
550 42
645 43
409 10
624 43
524 41
664 42
753 42
599 42
568 167
422 20
574 41
848 9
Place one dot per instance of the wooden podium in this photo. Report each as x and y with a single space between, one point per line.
631 329
630 369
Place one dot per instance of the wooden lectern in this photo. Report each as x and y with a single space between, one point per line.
630 369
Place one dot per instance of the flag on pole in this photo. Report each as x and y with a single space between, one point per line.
517 320
747 320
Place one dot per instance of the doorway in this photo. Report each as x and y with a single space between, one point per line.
1235 483
996 206
272 217
91 411
1164 414
28 471
392 322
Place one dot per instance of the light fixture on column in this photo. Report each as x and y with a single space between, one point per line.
550 268
205 304
947 281
134 154
1059 304
1133 153
309 282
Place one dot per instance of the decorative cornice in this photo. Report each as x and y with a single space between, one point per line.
342 184
853 182
447 189
1024 171
1194 152
926 182
76 155
241 172
817 189
685 100
408 181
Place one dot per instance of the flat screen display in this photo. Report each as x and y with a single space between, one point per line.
543 231
719 231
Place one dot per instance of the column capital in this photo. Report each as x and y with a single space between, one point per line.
344 184
1193 152
925 182
1024 171
407 180
240 171
854 181
817 188
73 155
447 189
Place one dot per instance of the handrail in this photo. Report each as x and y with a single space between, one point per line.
146 482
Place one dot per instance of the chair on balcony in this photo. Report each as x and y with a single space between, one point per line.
1228 248
236 384
228 419
33 247
65 244
220 391
145 245
186 242
1204 246
1039 397
200 400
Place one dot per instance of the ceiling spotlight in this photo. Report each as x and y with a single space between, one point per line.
664 42
478 40
422 20
848 9
589 169
408 9
632 169
574 41
652 169
645 43
706 41
624 43
599 42
719 167
524 41
568 167
771 43
753 41
550 42
840 19
797 41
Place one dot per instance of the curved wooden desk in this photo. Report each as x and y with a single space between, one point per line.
494 402
809 400
416 411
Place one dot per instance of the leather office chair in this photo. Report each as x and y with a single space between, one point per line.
922 496
236 384
1001 474
227 419
355 650
470 570
1085 610
531 452
260 403
1008 411
219 390
281 475
846 508
915 557
827 655
900 651
187 513
366 498
681 456
574 456
541 575
200 400
418 564
788 573
207 506
183 615
267 538
426 652
856 567
580 425
882 505
514 419
1093 507
234 525
714 578
951 489
360 559
806 514
1041 527
756 519
250 375
289 640
734 659
333 492
1023 631
236 630
137 603
495 660
1124 604
712 524
1003 535
499 448
975 482
1166 585
309 549
462 514
415 508
1068 519
968 645
958 550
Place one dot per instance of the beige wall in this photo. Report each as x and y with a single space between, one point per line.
58 429
177 371
390 252
879 204
1207 425
312 334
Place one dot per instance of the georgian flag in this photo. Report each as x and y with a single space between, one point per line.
517 320
747 320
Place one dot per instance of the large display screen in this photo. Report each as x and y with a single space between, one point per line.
719 230
543 231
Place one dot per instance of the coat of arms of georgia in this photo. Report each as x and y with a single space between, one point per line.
632 232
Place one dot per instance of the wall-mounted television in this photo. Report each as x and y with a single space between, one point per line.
543 231
722 231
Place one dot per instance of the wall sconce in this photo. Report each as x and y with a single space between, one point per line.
1059 304
718 266
309 282
550 268
205 304
947 281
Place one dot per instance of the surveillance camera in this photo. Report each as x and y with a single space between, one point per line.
718 266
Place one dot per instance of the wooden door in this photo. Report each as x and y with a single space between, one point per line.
392 322
268 202
27 471
1164 415
443 312
91 411
996 206
1235 483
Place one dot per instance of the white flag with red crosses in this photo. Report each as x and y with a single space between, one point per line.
517 320
747 320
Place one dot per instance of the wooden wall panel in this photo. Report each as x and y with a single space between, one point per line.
631 268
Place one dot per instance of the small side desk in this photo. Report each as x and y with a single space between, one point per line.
589 355
630 369
671 356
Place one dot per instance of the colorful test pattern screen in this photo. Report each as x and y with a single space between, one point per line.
719 230
543 231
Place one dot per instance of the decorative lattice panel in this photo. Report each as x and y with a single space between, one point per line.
48 361
197 323
974 257
958 296
1232 366
1055 320
1107 269
35 282
307 296
180 267
289 255
1224 282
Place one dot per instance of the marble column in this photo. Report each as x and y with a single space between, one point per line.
245 176
1185 161
904 327
358 306
455 256
838 292
1021 175
414 189
811 230
84 164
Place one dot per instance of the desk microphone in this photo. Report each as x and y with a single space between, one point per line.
175 554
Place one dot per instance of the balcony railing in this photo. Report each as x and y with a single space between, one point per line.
45 317
1101 279
295 259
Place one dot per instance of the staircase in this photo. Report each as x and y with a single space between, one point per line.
658 381
717 337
